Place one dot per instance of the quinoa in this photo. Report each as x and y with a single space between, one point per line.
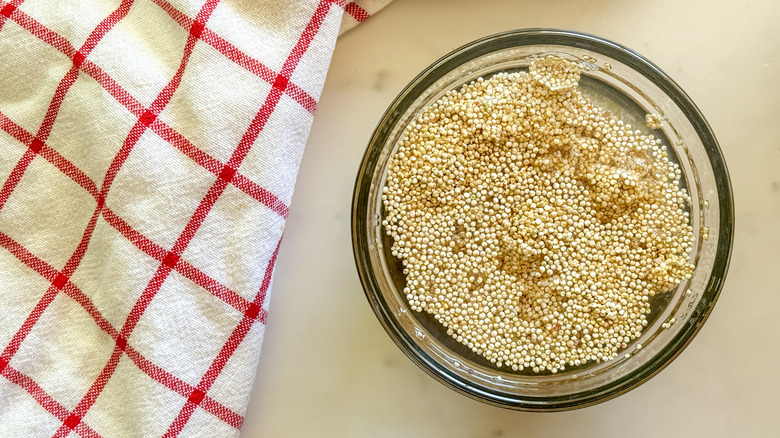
532 224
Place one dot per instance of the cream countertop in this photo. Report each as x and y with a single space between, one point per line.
328 369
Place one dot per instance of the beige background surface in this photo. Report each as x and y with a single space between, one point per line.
329 370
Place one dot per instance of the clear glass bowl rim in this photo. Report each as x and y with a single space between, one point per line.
494 43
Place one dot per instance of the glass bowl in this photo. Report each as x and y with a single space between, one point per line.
630 87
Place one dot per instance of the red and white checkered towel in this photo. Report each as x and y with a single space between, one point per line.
148 152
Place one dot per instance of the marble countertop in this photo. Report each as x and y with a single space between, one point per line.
328 369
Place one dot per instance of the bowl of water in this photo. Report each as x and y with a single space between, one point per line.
633 91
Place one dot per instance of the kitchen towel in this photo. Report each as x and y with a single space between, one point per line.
148 152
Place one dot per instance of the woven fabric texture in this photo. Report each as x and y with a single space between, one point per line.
148 153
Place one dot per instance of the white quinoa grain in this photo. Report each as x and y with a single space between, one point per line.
533 225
